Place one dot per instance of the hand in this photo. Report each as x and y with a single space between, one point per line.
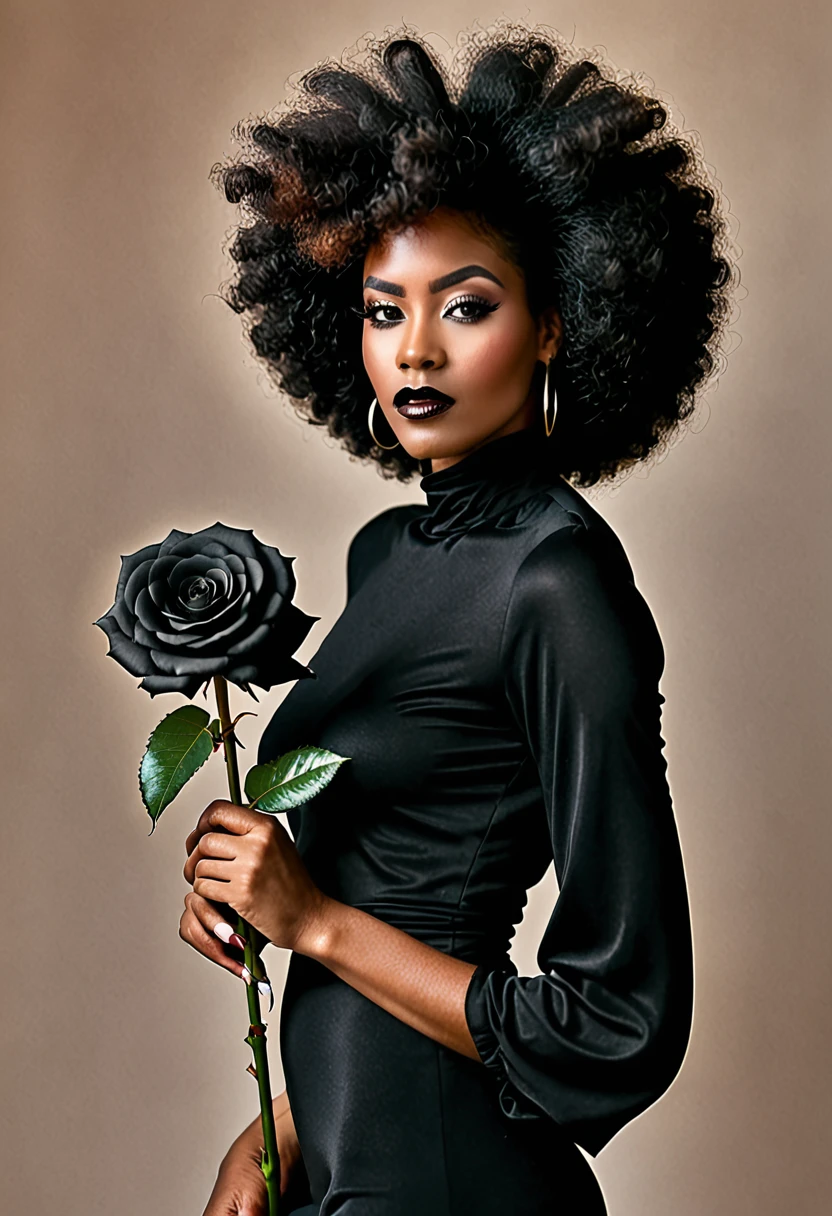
198 926
240 1189
248 860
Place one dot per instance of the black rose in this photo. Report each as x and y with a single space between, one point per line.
215 602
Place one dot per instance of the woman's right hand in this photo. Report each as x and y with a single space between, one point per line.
240 1189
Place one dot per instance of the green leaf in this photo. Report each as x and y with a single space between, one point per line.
179 745
292 779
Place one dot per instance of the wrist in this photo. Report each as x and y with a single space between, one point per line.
315 937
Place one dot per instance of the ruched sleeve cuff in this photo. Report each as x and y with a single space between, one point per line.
512 1102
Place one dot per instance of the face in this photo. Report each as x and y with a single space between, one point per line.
446 313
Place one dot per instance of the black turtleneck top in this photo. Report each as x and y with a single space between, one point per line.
494 680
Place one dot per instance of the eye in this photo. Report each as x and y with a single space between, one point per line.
474 308
370 313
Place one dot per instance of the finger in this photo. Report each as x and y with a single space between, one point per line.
203 825
213 867
216 842
221 813
212 844
194 933
211 888
214 918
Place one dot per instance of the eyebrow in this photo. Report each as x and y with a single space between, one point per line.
447 280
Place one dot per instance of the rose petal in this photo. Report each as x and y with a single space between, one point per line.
292 626
218 539
281 568
133 658
152 640
222 577
273 606
135 583
129 562
195 619
189 685
188 665
197 543
188 567
255 573
221 636
242 675
147 612
267 673
173 538
238 540
157 582
199 592
125 619
254 639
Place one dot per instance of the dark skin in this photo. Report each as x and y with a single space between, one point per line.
476 340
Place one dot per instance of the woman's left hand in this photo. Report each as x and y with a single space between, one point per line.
248 860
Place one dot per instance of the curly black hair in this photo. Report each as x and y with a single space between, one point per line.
601 202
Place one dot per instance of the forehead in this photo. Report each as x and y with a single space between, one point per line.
442 241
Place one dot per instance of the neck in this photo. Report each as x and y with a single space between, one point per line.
486 482
437 464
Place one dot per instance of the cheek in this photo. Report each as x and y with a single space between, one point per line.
378 353
500 357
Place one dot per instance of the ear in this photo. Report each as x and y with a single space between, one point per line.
549 333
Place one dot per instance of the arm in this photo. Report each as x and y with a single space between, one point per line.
600 1034
416 983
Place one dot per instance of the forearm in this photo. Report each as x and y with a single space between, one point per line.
416 983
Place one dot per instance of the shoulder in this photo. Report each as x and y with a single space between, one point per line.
577 559
574 598
373 541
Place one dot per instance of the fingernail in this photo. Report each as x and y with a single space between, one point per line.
223 931
265 989
247 976
236 940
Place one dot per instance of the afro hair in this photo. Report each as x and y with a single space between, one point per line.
605 207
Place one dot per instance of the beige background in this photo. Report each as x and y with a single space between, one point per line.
131 406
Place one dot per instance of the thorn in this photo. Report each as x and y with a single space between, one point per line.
252 1070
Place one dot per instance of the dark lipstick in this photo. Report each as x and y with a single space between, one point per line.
424 402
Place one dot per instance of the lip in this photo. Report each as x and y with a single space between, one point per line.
423 409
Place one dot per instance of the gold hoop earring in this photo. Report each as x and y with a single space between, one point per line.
388 447
549 426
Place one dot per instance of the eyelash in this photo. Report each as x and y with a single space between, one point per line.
369 310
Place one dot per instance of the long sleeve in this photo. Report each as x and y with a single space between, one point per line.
600 1035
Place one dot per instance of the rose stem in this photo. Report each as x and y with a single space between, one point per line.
256 1037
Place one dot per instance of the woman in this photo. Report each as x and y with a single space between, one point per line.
536 264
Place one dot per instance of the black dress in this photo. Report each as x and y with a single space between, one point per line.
494 679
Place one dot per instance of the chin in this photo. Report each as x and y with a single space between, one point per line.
443 442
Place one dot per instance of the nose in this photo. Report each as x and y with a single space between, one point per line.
420 348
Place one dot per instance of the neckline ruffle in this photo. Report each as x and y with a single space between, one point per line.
486 483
